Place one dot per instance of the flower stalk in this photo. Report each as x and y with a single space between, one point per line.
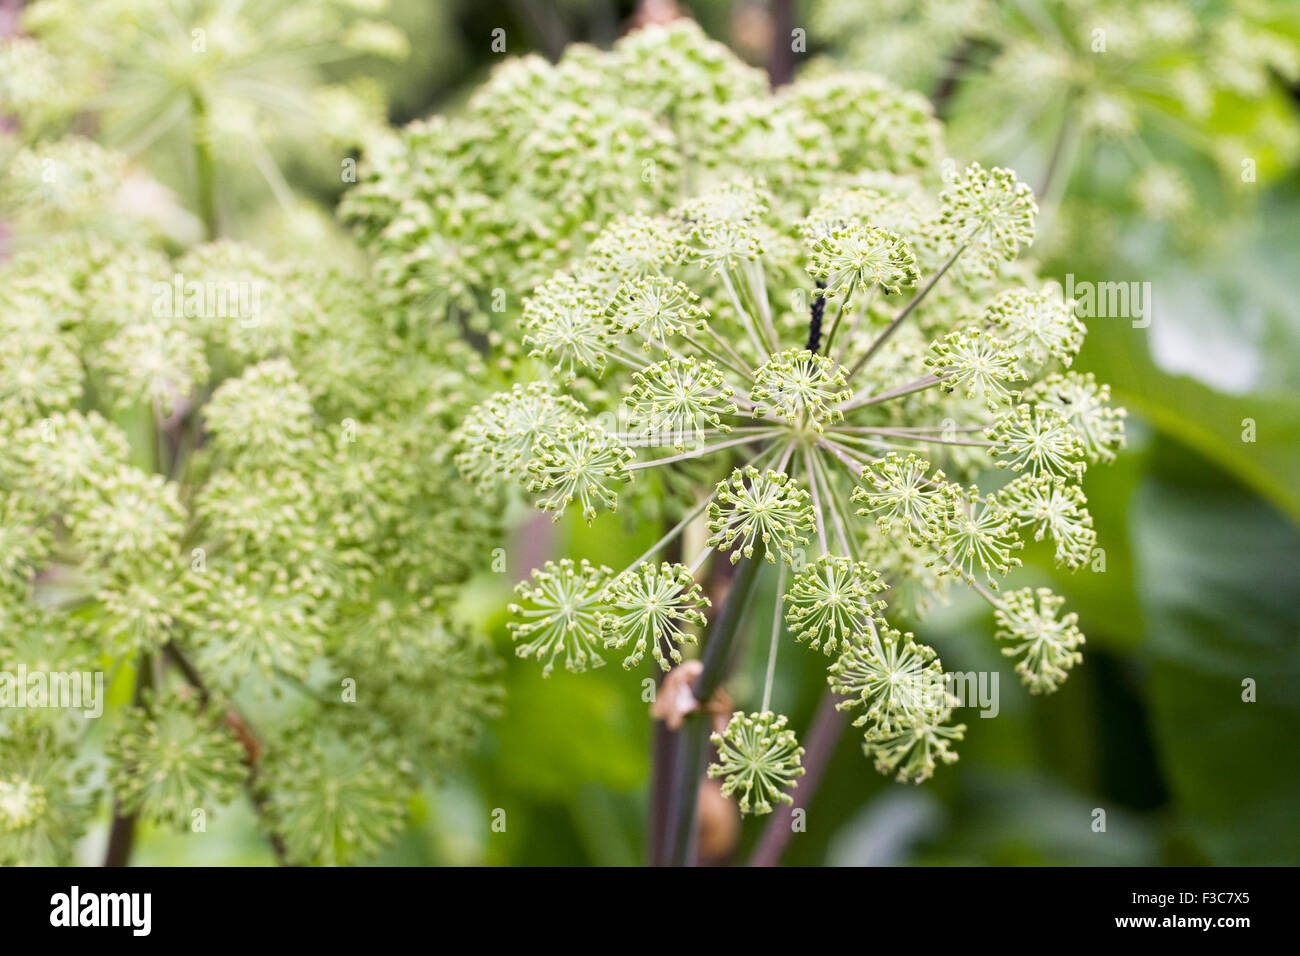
688 767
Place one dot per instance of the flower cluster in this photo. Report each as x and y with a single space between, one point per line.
465 212
229 476
172 757
759 759
929 358
161 76
1058 75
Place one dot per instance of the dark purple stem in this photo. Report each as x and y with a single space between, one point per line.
780 66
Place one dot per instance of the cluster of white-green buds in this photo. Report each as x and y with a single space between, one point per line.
758 758
466 210
224 473
173 757
334 794
829 599
653 606
769 510
1055 77
246 75
228 476
46 801
809 430
901 688
856 257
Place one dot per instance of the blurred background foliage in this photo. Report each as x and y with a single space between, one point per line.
1199 518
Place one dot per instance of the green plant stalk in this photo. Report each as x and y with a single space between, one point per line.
258 799
840 316
148 451
121 832
663 757
688 770
1060 164
693 738
204 172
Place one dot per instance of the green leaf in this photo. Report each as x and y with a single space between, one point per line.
1208 421
1218 574
568 730
1240 299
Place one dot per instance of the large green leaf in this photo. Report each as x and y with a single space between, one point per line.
1218 575
1208 421
1237 306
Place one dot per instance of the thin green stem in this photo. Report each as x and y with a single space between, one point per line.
121 832
674 531
857 321
980 589
736 364
775 640
920 385
911 429
846 456
907 310
642 439
700 559
706 450
745 318
821 473
862 444
929 439
1056 159
204 167
629 358
742 365
816 500
786 456
758 285
837 322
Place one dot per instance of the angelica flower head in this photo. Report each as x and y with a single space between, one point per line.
836 434
653 605
1046 642
829 598
799 385
768 511
857 257
560 610
46 802
1085 53
174 756
247 74
335 795
21 803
